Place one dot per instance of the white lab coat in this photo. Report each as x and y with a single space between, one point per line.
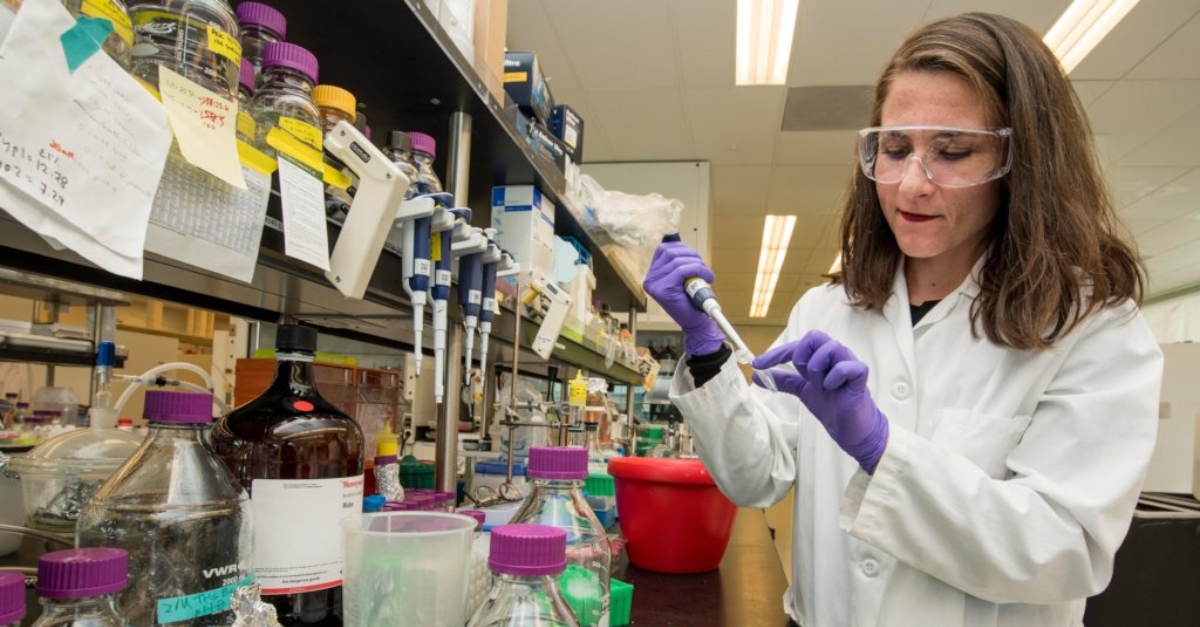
1008 482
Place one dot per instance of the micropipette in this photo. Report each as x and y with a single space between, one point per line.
703 298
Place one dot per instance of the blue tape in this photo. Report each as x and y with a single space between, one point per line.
84 39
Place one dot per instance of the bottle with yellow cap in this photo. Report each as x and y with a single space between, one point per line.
336 104
387 468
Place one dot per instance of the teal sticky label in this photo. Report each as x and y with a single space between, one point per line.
191 606
84 39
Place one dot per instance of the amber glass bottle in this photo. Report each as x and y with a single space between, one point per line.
301 460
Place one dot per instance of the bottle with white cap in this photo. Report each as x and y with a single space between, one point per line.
78 587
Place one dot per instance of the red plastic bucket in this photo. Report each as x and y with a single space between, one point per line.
672 515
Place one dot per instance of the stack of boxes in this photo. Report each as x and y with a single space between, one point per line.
554 131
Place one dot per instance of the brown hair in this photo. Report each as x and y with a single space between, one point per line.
1054 253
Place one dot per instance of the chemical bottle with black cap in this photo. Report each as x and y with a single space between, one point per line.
301 460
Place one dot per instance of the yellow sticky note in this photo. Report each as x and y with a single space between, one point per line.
107 9
303 131
516 77
224 44
255 159
204 125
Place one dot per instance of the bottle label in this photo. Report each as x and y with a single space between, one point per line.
442 277
246 125
297 531
422 266
108 9
303 131
205 603
224 44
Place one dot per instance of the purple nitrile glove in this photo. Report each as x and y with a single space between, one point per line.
674 263
832 383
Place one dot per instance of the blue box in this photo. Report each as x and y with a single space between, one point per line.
526 86
547 148
567 126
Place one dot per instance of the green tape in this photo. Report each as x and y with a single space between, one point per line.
84 39
191 606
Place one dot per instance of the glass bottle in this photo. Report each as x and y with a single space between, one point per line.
284 98
12 598
424 151
198 39
77 587
260 25
336 104
525 561
556 500
301 459
399 150
245 121
120 40
177 510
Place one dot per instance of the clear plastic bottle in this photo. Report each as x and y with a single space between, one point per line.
424 151
120 40
525 561
12 598
198 39
399 150
284 98
301 459
260 25
180 514
558 475
77 587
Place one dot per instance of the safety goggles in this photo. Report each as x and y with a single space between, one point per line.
949 157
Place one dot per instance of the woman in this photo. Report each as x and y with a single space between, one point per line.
968 408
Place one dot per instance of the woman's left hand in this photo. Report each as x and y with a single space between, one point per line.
832 384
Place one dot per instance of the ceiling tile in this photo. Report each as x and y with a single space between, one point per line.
1039 15
820 260
617 44
737 231
735 125
1134 111
1175 145
1169 236
1130 184
1137 226
741 186
1174 200
1175 58
706 35
596 147
736 260
855 51
815 231
816 148
530 29
654 130
1135 38
807 189
1090 91
1175 259
1172 281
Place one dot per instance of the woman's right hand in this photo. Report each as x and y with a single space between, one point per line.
674 263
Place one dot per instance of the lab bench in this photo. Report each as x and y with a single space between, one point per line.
746 590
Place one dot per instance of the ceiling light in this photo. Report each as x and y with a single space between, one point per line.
764 40
836 267
777 233
1083 25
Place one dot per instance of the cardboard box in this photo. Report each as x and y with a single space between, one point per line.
567 125
491 27
524 221
525 84
547 148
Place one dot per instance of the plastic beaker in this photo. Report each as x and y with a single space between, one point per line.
407 568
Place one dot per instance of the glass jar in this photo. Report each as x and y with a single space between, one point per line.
120 40
526 561
284 99
198 39
77 587
260 25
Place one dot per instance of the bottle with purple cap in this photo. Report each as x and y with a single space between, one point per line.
245 122
197 39
284 99
260 26
558 475
77 587
424 151
180 514
12 598
526 562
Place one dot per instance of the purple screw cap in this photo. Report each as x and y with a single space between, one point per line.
528 550
480 517
423 143
181 407
246 75
82 573
259 14
291 56
12 597
557 462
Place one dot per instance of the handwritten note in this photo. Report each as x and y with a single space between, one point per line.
205 603
93 141
205 126
303 199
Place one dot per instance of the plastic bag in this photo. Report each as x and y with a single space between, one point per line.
627 226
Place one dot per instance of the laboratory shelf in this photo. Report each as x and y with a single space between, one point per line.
53 356
52 290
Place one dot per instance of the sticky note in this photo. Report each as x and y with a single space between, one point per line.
205 125
84 39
